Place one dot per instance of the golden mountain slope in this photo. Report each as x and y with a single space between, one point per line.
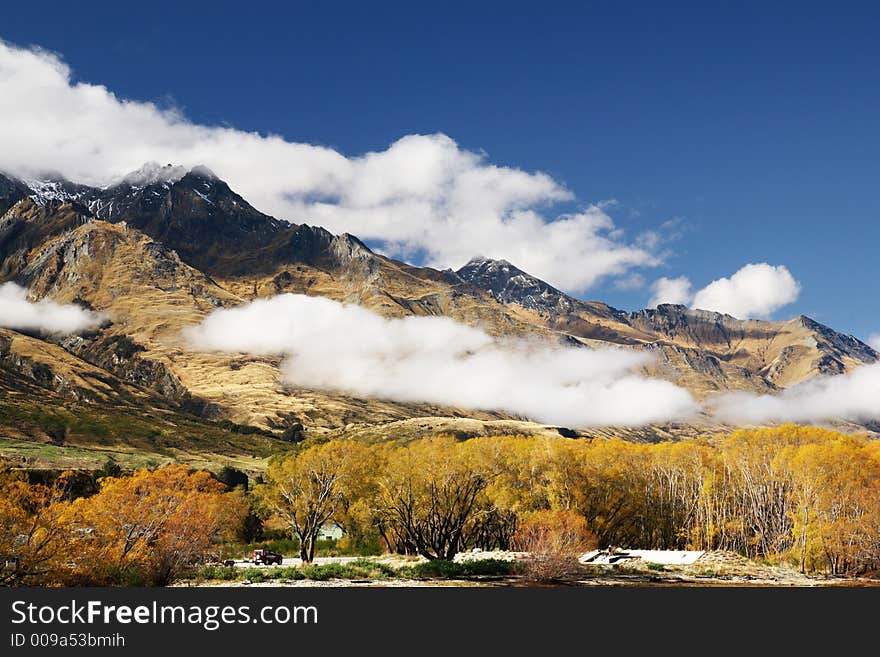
149 296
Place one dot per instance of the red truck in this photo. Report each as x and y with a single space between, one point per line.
266 556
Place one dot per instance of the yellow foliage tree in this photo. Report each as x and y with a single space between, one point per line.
429 494
322 484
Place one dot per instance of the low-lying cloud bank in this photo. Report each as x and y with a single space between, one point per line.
423 196
334 346
854 396
755 291
46 316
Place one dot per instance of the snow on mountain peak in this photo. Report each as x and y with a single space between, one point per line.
203 172
46 190
153 172
51 189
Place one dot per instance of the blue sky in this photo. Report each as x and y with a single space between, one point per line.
756 129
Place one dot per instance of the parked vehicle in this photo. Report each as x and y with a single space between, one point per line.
266 557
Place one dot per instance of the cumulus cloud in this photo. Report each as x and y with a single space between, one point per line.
423 195
755 291
16 312
330 345
874 341
671 290
853 396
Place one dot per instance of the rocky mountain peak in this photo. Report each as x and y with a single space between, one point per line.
153 173
348 247
841 342
490 265
201 171
509 284
191 211
203 183
47 188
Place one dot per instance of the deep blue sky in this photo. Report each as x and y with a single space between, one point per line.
758 128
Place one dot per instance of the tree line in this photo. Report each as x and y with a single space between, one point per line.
803 494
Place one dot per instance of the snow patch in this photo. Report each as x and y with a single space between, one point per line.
45 191
203 197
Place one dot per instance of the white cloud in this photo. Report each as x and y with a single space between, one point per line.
755 291
330 345
874 341
423 194
852 396
16 312
670 290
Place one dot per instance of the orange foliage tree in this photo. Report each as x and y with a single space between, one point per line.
150 526
33 533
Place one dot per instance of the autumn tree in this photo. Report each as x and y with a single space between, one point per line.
519 471
516 485
603 480
836 523
674 482
804 494
33 532
309 489
150 526
428 495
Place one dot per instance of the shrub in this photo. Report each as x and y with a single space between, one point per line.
295 433
233 477
324 572
110 469
381 568
440 569
553 541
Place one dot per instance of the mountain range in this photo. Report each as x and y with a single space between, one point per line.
165 246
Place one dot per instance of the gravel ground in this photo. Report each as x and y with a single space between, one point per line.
711 569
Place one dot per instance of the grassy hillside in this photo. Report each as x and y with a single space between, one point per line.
40 428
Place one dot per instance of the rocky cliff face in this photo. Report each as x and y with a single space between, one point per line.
12 191
781 353
211 227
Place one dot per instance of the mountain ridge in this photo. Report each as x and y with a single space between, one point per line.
163 247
